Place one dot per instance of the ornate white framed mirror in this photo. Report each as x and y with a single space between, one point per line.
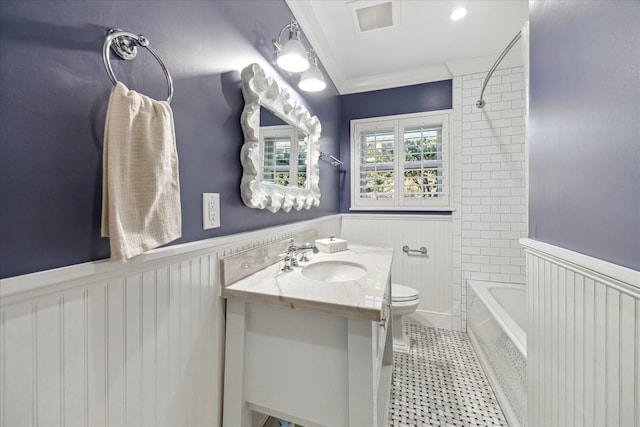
281 150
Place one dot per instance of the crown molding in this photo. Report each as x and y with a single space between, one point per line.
396 79
304 14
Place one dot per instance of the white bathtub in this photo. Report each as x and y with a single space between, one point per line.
497 325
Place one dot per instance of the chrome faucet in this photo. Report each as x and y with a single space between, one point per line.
290 260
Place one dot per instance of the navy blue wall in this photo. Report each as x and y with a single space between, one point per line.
387 102
53 97
584 127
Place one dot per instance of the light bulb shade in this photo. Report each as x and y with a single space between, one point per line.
312 80
293 56
458 14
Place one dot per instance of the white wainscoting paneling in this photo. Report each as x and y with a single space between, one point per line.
123 344
583 339
136 350
430 274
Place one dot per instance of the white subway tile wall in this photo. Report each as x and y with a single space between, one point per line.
490 183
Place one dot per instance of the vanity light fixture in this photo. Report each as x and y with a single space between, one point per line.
312 79
292 56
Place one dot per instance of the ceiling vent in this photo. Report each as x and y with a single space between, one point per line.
374 15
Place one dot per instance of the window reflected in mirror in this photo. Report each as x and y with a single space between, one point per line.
280 145
284 151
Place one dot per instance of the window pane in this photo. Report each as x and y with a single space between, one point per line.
303 144
377 158
275 166
423 183
423 162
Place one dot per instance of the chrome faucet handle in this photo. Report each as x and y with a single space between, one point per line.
293 250
309 247
287 263
306 248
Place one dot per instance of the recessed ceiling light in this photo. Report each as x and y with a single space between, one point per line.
458 13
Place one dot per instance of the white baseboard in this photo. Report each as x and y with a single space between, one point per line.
429 318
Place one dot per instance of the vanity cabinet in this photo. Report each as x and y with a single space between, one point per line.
324 365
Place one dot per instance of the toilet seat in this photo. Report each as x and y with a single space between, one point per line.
402 293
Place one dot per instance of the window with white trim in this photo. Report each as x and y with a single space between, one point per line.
402 162
284 158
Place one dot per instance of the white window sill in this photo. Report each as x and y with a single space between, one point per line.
404 208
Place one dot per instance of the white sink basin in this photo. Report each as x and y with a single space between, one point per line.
334 271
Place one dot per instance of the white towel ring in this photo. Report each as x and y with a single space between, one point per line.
124 45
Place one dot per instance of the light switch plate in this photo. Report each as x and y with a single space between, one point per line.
210 210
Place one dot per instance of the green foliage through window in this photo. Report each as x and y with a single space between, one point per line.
423 162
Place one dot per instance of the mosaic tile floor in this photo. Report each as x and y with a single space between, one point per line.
440 383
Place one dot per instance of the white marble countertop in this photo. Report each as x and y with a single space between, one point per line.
361 298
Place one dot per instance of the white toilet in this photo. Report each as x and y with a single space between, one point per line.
404 301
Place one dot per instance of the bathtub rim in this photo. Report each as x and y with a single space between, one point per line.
510 327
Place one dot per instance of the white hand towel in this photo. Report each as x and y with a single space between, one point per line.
141 188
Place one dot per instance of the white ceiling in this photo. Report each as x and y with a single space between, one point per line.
423 45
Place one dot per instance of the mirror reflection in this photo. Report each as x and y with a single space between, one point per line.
284 151
281 147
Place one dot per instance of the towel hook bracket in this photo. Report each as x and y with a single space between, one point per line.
125 46
406 249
